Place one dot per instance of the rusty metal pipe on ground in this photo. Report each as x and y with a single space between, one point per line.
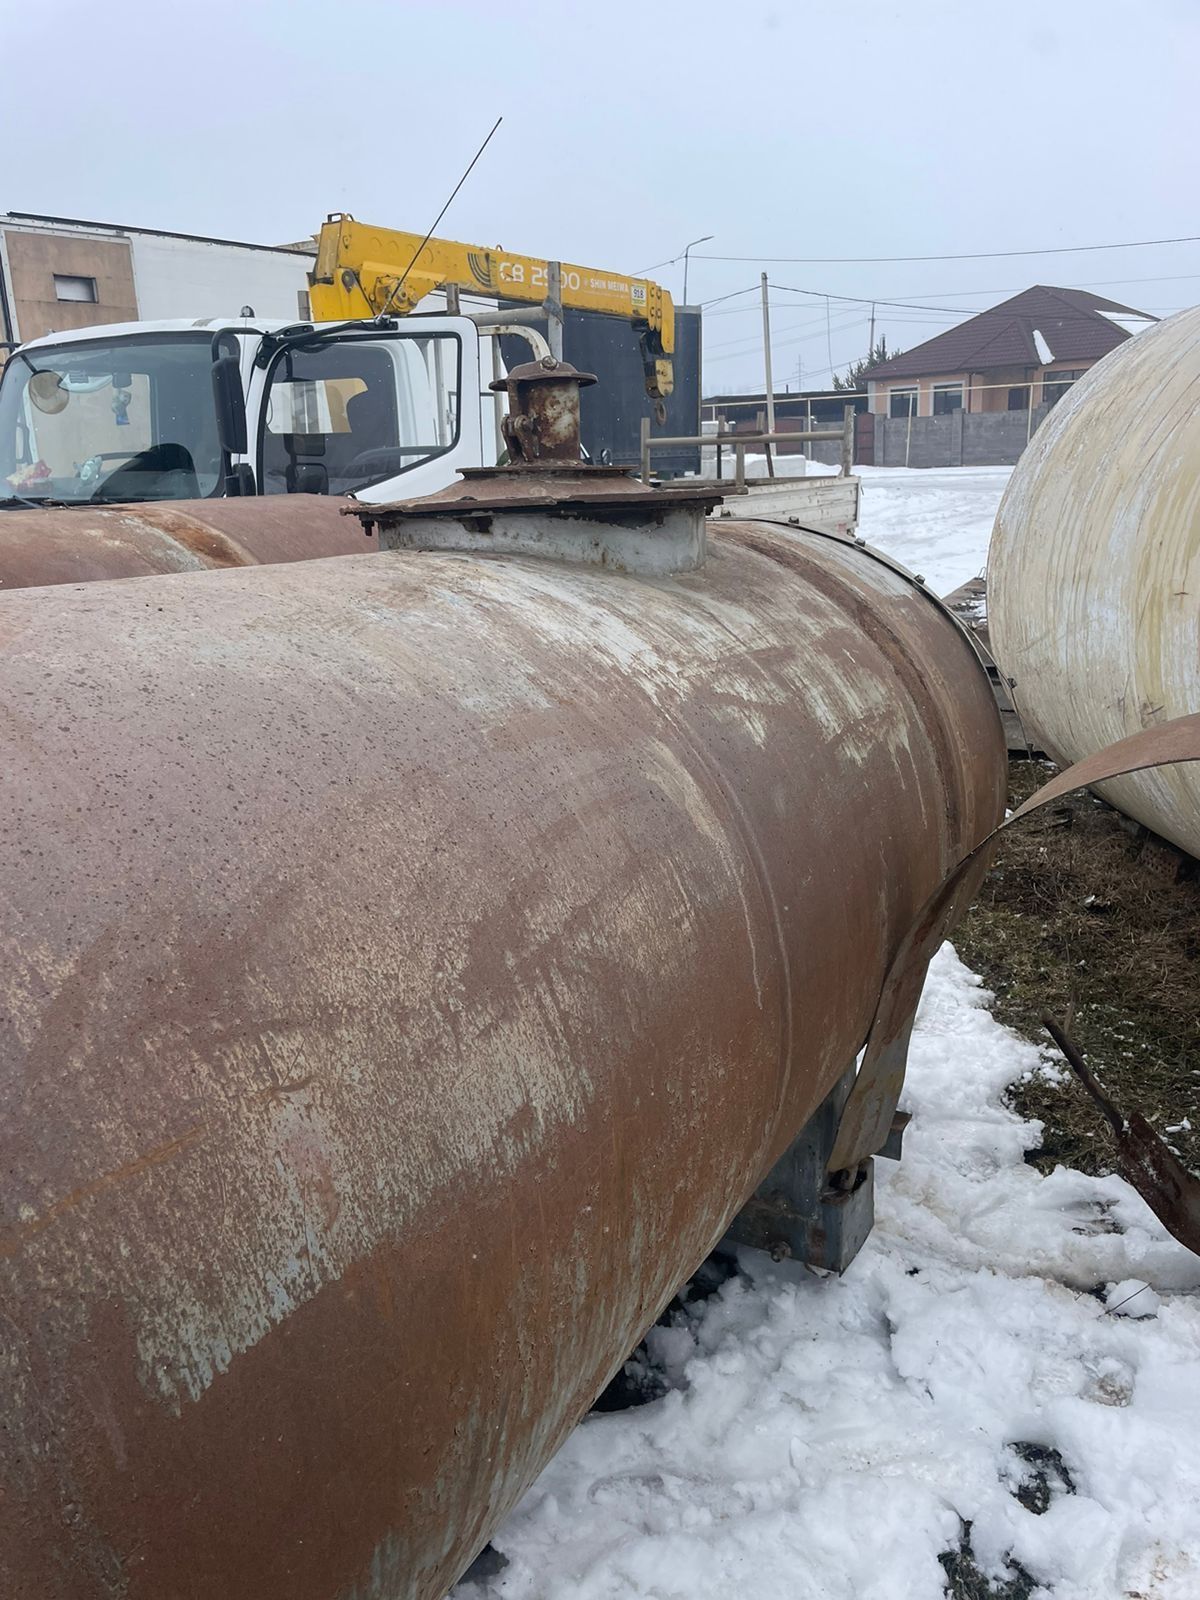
409 964
81 544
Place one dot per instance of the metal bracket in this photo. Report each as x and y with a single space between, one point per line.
893 1150
798 1211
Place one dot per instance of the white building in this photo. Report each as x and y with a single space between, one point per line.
59 272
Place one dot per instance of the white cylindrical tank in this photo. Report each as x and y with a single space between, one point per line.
1094 568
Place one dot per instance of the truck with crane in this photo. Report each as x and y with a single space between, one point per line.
378 396
371 391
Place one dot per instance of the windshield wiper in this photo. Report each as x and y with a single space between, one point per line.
301 334
13 500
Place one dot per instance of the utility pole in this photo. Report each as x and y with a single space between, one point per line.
871 340
766 310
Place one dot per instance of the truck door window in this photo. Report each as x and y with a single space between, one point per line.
343 414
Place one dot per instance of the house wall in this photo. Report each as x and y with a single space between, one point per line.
880 393
141 277
993 387
986 392
33 259
178 277
1058 366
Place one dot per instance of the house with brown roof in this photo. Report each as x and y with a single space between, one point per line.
1024 353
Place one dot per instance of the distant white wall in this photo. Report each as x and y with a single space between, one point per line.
191 278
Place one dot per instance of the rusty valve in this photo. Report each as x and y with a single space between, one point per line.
542 425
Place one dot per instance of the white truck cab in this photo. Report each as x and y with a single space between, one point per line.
385 410
187 410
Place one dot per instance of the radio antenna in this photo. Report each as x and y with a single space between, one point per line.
400 282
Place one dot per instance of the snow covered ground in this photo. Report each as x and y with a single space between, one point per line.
828 1439
936 521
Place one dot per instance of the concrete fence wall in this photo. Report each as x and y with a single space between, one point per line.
959 439
828 451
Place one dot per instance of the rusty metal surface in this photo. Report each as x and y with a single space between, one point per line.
867 1119
1094 568
573 488
1144 1159
542 425
80 544
408 966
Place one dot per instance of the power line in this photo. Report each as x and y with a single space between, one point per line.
868 300
780 344
790 324
1092 283
976 255
642 271
927 315
751 345
1055 318
911 305
732 295
821 371
978 294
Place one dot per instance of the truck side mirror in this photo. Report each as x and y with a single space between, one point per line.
230 403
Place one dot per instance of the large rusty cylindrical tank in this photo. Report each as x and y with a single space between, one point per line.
1094 568
409 963
80 544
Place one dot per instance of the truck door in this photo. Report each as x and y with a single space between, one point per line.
375 413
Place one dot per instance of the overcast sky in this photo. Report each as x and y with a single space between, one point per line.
932 127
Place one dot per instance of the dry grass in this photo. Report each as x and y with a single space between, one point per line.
1078 917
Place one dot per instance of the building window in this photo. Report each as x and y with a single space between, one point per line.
947 397
902 403
83 289
1018 397
1056 384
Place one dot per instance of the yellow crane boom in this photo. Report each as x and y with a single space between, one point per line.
362 271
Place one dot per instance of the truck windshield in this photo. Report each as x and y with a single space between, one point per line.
124 419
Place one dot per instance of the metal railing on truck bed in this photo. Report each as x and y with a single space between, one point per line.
725 438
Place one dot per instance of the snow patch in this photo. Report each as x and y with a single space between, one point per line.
1129 321
1045 354
1131 1298
936 521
